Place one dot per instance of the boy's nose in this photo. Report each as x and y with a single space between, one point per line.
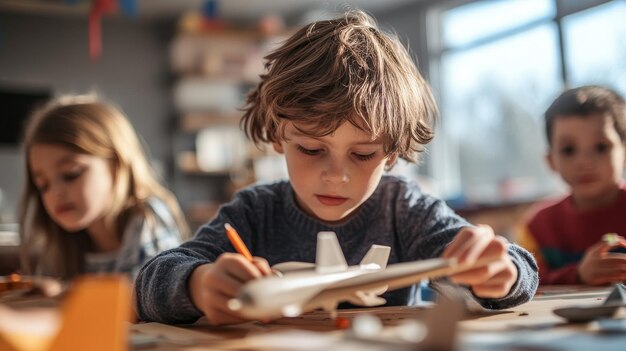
335 172
586 159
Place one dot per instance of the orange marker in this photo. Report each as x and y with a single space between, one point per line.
235 239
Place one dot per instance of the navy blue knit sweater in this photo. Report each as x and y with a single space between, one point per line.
415 225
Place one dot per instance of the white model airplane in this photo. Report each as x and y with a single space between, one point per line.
303 287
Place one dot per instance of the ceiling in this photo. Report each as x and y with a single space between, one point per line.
230 10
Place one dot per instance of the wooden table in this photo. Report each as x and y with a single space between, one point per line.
531 326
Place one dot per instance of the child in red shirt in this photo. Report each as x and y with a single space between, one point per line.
586 130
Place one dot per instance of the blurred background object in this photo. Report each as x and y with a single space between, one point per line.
9 248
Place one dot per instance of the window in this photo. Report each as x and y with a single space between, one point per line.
496 66
595 45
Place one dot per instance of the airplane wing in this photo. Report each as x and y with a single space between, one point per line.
395 276
329 257
378 255
332 260
293 266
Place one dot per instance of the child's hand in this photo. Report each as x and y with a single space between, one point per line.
211 286
599 266
472 245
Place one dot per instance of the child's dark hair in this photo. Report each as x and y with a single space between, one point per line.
343 70
585 101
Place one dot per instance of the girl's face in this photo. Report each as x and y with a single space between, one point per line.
75 188
333 175
589 155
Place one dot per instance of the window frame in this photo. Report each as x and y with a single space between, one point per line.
446 168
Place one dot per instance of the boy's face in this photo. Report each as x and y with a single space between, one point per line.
333 175
589 155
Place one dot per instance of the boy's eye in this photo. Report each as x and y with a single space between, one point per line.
602 147
310 152
365 157
568 150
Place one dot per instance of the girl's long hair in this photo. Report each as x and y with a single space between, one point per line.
85 125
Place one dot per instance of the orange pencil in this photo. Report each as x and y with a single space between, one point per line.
235 239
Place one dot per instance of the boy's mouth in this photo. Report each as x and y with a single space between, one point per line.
331 200
586 179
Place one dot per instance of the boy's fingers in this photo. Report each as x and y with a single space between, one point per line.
498 285
220 313
610 270
598 248
262 265
614 260
507 275
491 291
240 268
476 250
228 285
469 244
614 257
460 244
496 248
480 274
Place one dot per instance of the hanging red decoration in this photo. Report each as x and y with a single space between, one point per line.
98 9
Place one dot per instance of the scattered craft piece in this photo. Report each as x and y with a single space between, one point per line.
583 314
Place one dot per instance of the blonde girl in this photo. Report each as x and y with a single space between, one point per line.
91 201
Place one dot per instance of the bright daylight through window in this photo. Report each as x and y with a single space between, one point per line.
496 65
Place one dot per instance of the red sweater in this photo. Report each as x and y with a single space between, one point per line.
558 235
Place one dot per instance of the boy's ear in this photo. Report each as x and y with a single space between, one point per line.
550 161
278 147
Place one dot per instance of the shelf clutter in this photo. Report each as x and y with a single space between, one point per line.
215 65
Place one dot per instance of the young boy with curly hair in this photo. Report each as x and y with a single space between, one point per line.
342 101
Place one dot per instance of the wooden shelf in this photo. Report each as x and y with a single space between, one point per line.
235 54
187 162
195 121
214 70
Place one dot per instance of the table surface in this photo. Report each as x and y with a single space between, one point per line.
532 326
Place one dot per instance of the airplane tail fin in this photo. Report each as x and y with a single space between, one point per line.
375 258
329 257
377 255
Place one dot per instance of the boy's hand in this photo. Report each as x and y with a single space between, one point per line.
212 285
471 246
599 266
